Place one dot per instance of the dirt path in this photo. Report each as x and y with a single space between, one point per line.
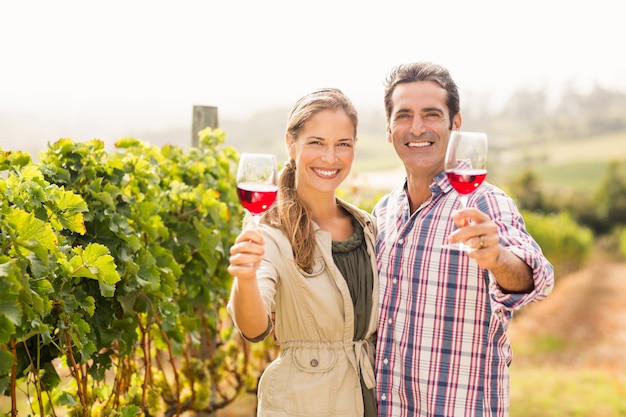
582 323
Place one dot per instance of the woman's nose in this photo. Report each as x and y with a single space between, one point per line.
329 154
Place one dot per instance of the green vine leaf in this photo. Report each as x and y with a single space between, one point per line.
34 235
95 262
14 160
6 363
10 311
7 328
65 398
127 143
68 211
130 411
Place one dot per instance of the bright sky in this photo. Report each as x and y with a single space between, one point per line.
142 65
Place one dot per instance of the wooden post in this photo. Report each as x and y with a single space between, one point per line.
203 116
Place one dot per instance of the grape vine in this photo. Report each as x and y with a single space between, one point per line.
113 279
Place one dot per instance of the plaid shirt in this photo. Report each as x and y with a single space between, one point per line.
442 349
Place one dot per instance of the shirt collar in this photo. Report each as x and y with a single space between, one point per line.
440 184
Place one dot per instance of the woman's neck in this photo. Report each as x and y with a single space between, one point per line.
329 216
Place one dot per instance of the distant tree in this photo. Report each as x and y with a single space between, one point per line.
526 109
579 115
610 199
572 101
527 191
606 110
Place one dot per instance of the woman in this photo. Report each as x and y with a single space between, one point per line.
312 267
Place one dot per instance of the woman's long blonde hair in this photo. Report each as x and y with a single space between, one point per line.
289 213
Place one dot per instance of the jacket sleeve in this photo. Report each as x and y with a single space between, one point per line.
267 278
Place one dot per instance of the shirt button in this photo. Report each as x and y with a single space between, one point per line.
314 363
395 281
383 397
385 361
401 241
389 321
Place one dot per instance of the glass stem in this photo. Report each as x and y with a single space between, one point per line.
256 220
463 198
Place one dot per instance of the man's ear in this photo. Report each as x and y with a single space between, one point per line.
457 121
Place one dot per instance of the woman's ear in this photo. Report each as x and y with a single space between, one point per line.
290 146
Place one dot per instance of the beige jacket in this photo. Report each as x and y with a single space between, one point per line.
317 370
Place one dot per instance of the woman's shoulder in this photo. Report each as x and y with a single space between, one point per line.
278 249
366 219
272 232
355 211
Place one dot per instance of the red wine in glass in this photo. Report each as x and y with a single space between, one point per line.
466 168
465 181
257 183
256 197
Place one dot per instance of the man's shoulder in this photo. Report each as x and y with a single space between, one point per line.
383 202
488 188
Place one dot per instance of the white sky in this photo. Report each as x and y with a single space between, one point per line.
143 64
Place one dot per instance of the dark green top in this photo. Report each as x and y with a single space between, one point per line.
353 261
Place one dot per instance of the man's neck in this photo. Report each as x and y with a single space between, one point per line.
418 190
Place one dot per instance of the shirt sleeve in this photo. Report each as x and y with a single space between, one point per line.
514 236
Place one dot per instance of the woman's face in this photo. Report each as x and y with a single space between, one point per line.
323 152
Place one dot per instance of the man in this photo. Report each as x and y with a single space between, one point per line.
442 349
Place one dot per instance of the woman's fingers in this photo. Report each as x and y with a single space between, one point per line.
246 254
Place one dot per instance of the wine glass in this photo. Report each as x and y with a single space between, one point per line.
466 168
257 183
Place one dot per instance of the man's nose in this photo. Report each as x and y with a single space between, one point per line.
417 127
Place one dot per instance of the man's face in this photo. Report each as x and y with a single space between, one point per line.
419 126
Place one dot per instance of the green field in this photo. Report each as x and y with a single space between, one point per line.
550 391
575 166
